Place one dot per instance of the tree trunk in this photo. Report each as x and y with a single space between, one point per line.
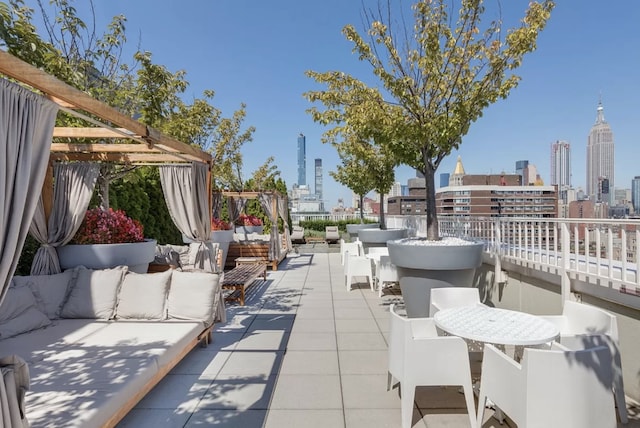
103 188
383 223
361 208
432 217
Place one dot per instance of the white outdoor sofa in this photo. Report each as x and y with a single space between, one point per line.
97 341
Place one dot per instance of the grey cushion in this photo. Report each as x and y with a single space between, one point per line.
192 295
19 313
50 290
143 296
93 294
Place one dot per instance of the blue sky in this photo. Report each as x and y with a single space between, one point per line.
256 52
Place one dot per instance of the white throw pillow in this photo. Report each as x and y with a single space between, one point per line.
212 247
50 290
19 313
143 296
192 295
93 295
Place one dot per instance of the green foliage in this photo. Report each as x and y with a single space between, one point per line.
439 74
320 225
26 256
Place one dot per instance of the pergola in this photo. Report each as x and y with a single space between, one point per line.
190 191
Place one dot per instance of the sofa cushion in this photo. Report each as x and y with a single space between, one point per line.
93 294
50 290
143 296
192 296
19 313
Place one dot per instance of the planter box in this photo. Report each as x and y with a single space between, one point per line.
135 255
249 229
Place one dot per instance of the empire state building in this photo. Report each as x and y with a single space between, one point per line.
600 160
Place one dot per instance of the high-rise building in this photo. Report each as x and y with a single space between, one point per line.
561 168
444 179
302 160
521 167
600 159
318 182
635 194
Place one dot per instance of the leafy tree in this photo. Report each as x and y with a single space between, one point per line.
439 75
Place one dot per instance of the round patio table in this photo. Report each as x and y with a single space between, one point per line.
496 326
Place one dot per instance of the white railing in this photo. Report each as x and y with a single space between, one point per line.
601 251
296 218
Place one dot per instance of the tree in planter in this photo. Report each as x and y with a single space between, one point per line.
439 79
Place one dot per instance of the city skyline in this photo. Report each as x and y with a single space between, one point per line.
263 65
600 160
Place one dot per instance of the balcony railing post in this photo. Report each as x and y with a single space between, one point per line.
565 281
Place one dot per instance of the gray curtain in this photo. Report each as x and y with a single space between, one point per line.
26 129
14 384
216 204
235 207
274 244
186 193
73 187
283 211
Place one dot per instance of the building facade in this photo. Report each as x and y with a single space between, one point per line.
302 160
635 194
600 159
318 181
561 168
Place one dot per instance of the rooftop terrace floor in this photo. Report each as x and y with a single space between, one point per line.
303 352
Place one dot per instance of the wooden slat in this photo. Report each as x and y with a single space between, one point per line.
70 132
119 157
102 148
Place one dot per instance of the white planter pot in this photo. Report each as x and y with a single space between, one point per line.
249 229
423 267
135 255
353 229
375 237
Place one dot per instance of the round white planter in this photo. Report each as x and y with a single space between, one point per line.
136 255
375 237
249 229
423 266
353 229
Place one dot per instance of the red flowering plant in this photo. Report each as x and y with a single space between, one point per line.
108 227
218 224
248 220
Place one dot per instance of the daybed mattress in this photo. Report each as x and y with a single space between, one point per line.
83 371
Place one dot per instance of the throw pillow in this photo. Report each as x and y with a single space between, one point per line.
19 313
50 290
143 296
192 296
94 293
209 266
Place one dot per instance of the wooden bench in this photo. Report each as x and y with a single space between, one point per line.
241 277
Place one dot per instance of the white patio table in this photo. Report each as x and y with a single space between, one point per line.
496 326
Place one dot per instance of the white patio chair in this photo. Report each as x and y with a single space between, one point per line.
331 234
584 326
386 272
354 248
419 357
551 388
383 251
452 297
356 265
297 235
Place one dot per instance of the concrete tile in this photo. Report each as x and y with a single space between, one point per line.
357 326
204 362
312 342
364 362
380 418
361 341
175 391
310 362
314 313
252 363
237 323
307 392
272 322
352 313
368 392
313 326
307 418
238 393
154 418
227 418
263 341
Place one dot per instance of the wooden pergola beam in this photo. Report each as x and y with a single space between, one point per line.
103 148
69 132
124 158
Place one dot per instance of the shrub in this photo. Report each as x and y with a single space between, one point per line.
218 224
108 227
248 220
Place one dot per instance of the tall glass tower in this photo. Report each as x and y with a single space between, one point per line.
635 194
561 167
302 160
318 183
600 158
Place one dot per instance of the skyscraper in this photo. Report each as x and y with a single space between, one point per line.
635 194
318 182
521 167
561 168
600 158
302 160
